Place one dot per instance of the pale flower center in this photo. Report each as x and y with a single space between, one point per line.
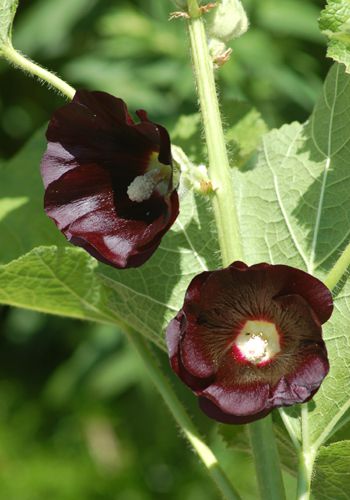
142 186
156 178
258 341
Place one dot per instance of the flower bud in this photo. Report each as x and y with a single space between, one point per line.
227 21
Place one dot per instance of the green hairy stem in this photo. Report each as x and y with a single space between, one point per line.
261 433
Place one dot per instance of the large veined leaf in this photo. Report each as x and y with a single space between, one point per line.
295 208
331 479
7 13
331 405
335 24
61 281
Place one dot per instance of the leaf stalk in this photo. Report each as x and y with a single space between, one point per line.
306 456
267 461
219 167
20 61
339 269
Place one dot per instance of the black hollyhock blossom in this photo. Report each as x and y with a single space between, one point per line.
249 339
108 181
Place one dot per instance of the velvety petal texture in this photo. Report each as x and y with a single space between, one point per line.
249 339
108 180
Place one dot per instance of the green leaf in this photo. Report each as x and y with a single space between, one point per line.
244 129
332 402
58 281
331 479
235 436
244 132
294 208
23 223
335 24
7 13
187 134
341 432
294 205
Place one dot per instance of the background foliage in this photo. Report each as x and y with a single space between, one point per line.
72 393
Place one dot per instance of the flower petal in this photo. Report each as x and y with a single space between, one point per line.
173 336
214 412
300 385
239 400
295 281
95 151
278 305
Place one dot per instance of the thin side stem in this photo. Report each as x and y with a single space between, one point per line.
183 420
339 269
267 462
262 437
20 61
219 168
289 428
306 457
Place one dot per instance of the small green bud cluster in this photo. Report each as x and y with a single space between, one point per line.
225 22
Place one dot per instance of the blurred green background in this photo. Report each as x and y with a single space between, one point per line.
79 418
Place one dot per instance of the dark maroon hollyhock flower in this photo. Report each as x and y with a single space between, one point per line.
249 339
108 180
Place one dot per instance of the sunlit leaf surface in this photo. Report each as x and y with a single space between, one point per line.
335 24
331 479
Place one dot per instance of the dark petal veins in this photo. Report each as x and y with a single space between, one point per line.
216 305
297 319
295 281
285 280
212 411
